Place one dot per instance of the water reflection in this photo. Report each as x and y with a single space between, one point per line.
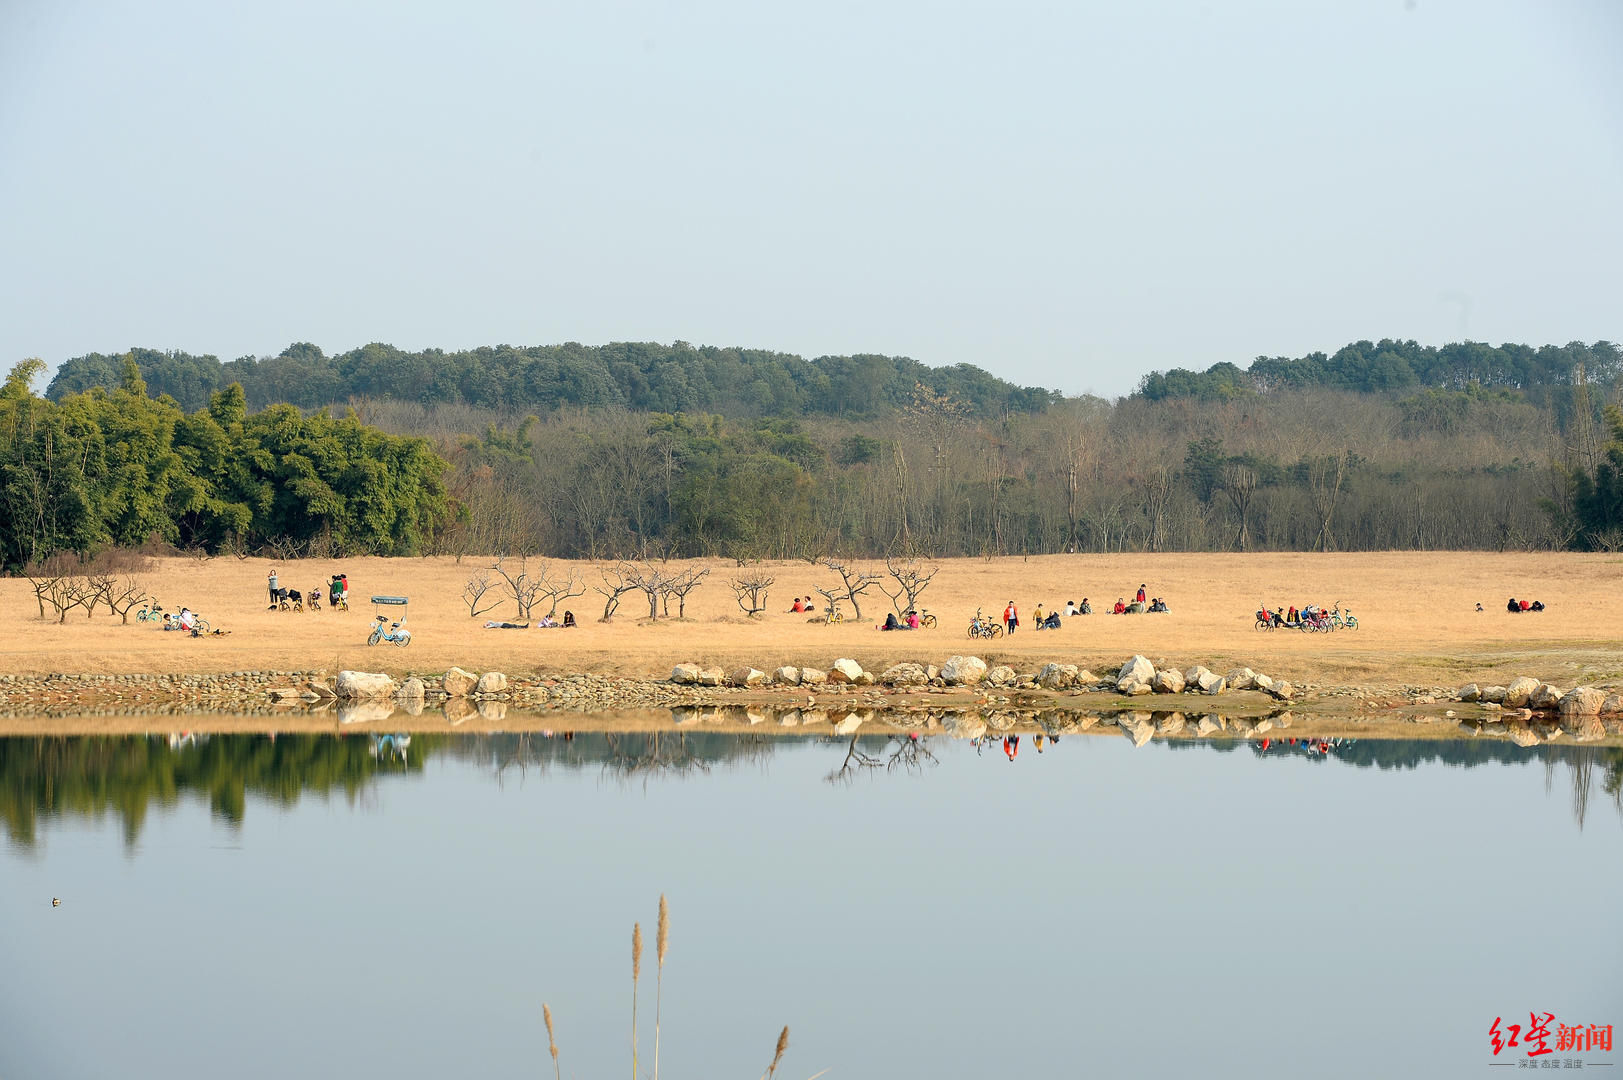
42 777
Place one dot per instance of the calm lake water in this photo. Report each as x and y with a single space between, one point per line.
316 906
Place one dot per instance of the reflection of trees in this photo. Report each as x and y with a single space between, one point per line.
44 777
889 753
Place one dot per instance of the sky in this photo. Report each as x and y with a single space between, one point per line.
1066 194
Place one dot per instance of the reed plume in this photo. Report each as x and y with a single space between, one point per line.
552 1042
662 942
783 1044
636 973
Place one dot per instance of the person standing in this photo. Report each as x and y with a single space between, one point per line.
1011 617
271 581
1141 594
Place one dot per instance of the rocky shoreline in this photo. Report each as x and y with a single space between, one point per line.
955 696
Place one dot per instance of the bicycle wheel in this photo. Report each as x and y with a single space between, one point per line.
1352 622
377 635
928 621
200 627
1263 624
403 640
997 630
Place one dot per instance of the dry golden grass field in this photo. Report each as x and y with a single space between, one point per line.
1417 613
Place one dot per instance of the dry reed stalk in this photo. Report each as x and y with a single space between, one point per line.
783 1044
662 941
636 973
552 1042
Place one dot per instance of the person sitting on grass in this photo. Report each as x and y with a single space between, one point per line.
1536 605
1121 606
569 618
1513 607
912 620
891 622
797 607
1085 608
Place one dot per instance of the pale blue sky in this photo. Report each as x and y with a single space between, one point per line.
1064 194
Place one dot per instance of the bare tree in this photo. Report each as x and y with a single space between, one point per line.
1325 479
912 578
652 581
750 591
44 584
1240 484
853 583
473 593
617 581
521 585
120 592
679 585
555 590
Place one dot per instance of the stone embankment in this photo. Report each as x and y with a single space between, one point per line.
1137 677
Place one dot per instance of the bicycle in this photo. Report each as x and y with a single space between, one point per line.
927 620
397 634
1265 619
153 612
982 627
1339 617
834 616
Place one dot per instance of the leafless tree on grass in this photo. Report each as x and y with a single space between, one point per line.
473 593
912 578
679 585
617 581
853 583
750 590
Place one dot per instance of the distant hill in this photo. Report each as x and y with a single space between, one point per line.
1398 367
633 375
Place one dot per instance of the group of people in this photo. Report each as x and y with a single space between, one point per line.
1295 616
337 591
1516 607
1142 602
910 621
1011 743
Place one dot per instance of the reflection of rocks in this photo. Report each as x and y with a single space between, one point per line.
1137 727
963 726
493 711
411 706
1208 724
365 712
458 710
1170 724
1585 728
789 718
848 724
1520 734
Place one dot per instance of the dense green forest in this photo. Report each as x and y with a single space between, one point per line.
118 468
1461 447
1388 366
626 375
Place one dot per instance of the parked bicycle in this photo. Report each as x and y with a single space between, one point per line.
927 620
982 627
153 612
396 634
1340 617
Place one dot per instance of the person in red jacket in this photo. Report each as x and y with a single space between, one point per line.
1011 617
1141 594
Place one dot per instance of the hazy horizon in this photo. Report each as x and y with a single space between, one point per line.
1065 196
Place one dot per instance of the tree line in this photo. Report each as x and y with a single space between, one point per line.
118 468
639 376
1389 366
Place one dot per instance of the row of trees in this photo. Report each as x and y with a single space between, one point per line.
1295 470
118 468
1386 366
640 376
